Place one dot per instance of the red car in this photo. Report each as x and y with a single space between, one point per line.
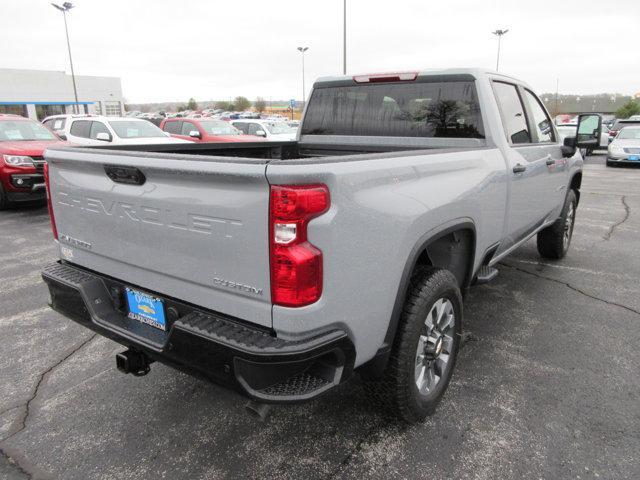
205 130
22 145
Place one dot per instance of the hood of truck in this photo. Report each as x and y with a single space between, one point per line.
32 148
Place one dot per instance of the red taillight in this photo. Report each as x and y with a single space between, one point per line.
386 77
296 265
49 204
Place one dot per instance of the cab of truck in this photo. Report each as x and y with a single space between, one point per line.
204 130
22 145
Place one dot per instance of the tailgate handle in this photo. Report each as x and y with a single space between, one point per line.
128 175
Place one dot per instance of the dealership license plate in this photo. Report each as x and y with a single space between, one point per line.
634 157
146 309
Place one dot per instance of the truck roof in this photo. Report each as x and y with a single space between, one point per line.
475 72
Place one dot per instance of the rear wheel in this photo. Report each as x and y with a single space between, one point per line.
553 242
426 346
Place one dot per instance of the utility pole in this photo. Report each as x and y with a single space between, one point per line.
344 39
556 107
66 6
499 33
302 50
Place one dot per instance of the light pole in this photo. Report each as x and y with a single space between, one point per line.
66 6
499 33
302 50
344 38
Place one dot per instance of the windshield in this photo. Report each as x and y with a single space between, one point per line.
135 129
276 128
218 127
23 130
629 134
623 123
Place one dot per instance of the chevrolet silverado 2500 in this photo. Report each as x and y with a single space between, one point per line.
281 268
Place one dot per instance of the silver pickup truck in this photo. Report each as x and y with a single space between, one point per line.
280 269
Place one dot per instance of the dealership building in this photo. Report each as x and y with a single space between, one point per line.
39 93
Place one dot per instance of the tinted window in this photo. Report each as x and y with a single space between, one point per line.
253 128
417 109
172 127
188 127
98 127
244 127
81 128
513 117
135 129
542 122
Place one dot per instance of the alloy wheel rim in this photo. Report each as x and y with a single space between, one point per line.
435 345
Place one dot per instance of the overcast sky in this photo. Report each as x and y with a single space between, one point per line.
167 50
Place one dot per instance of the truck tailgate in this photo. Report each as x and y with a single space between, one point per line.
196 229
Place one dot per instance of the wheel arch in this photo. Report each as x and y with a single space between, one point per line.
459 238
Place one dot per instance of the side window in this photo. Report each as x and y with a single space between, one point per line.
243 127
512 112
253 128
543 127
173 127
98 127
81 128
187 127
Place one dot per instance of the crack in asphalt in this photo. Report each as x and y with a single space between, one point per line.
627 212
34 394
14 463
572 287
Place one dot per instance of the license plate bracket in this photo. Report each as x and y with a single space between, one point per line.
146 308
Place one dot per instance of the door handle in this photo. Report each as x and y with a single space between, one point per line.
519 168
129 175
550 161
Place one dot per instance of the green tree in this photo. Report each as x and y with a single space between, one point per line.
224 106
241 103
192 104
260 104
632 107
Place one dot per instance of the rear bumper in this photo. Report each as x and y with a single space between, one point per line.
224 350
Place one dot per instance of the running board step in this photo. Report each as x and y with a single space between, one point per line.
486 274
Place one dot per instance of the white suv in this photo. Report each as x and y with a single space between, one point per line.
270 130
98 130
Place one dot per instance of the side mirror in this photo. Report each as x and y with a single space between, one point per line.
261 133
103 136
589 129
61 136
569 147
195 134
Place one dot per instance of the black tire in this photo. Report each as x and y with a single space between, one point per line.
398 389
4 203
610 164
554 241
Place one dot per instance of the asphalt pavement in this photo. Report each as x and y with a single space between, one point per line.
547 384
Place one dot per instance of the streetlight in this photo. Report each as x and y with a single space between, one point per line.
344 38
66 6
499 33
302 50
